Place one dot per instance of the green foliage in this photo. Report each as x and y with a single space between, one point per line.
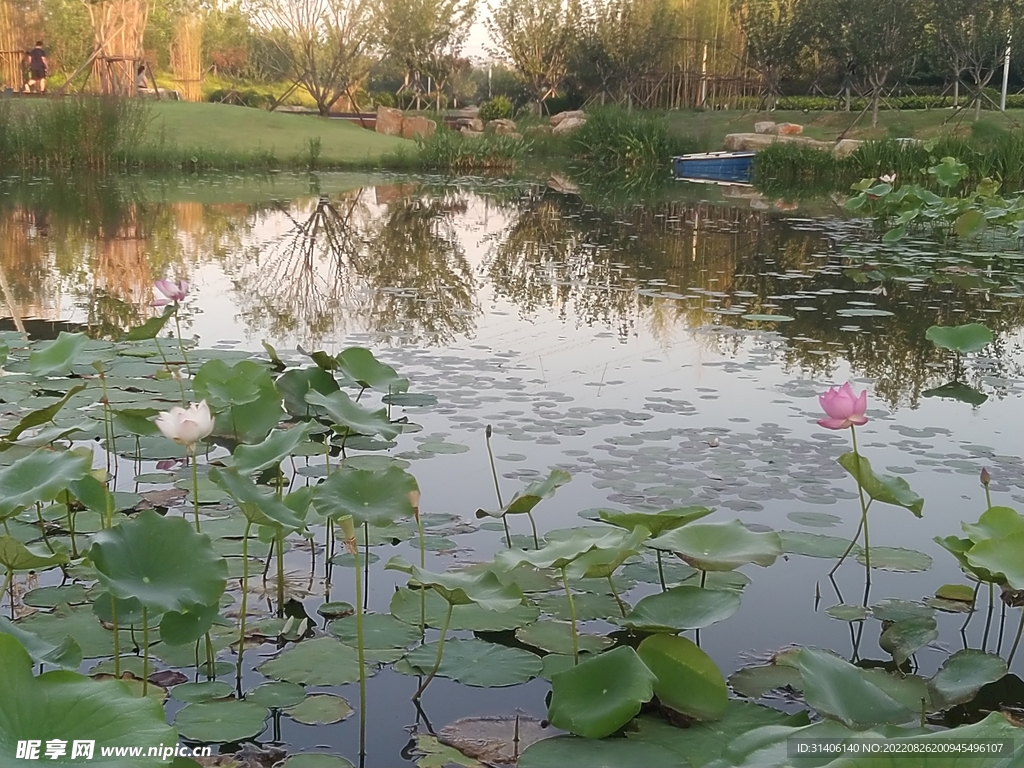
498 107
451 152
624 139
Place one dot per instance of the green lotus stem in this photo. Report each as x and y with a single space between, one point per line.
42 526
279 553
360 652
853 543
167 365
423 565
703 579
117 639
210 668
497 488
572 619
181 346
533 525
1002 627
440 650
988 620
863 505
366 563
615 594
327 453
988 498
195 485
970 613
1016 640
145 649
7 583
661 571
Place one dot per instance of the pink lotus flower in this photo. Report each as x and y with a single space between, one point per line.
843 408
173 292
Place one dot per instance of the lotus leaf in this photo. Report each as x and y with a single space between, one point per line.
600 695
221 721
321 661
963 674
160 561
379 498
887 489
720 546
971 337
39 477
368 372
524 501
354 418
688 681
259 508
320 709
906 637
477 663
68 706
681 608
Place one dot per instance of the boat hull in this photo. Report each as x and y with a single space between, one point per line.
714 166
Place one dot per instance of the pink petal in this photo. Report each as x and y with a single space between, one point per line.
862 403
858 418
166 287
159 302
833 423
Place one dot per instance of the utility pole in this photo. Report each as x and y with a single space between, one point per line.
1006 74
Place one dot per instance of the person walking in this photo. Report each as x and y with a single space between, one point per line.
38 68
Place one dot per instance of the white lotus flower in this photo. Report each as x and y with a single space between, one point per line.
186 426
888 178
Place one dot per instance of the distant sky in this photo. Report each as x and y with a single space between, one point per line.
475 47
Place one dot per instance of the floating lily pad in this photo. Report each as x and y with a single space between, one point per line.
50 597
900 610
311 760
321 661
195 693
221 721
905 638
768 318
565 751
381 632
405 606
320 709
815 519
276 695
846 612
897 559
755 682
478 663
816 544
964 674
556 637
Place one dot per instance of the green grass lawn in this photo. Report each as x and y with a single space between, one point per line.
710 128
226 129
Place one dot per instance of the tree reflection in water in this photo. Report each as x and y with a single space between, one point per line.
402 263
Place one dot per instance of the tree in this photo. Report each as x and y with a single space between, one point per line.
774 38
876 39
424 38
326 43
975 35
537 38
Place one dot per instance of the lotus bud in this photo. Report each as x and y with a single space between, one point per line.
348 533
172 292
414 500
986 478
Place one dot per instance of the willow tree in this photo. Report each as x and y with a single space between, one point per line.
536 36
774 37
325 42
424 37
975 35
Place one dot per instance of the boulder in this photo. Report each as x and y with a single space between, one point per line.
389 121
568 125
755 142
501 126
472 123
563 186
418 126
748 142
579 114
765 126
786 129
470 134
846 147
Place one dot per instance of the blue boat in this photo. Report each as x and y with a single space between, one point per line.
714 166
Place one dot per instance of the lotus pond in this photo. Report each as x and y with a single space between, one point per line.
405 471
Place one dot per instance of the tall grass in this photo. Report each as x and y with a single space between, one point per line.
74 133
447 150
990 152
619 138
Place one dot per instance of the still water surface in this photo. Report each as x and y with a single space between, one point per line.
623 343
